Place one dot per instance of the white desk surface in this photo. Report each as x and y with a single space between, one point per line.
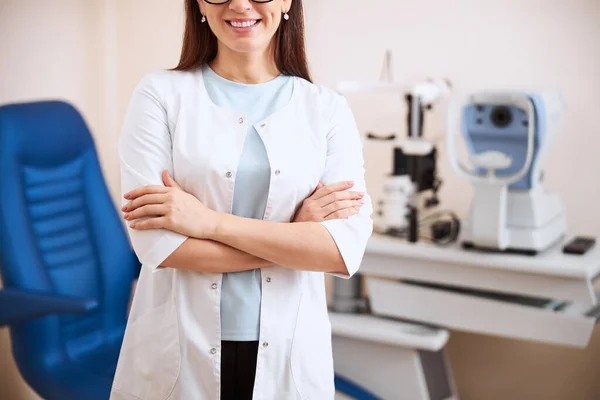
550 262
387 331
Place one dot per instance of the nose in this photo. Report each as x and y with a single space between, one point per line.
240 6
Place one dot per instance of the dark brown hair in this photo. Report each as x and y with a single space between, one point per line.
200 43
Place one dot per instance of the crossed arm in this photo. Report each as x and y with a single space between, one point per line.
227 243
210 256
238 247
234 244
219 242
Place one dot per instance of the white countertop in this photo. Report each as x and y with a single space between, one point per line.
550 262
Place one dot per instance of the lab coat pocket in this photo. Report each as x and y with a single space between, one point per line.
311 355
150 358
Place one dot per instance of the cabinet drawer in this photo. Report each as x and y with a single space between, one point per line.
393 333
541 321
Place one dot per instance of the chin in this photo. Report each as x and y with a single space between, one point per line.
246 46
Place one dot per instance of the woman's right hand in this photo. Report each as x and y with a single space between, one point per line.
328 202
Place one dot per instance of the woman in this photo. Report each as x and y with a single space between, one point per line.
243 185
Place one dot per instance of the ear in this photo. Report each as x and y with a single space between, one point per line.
200 5
286 5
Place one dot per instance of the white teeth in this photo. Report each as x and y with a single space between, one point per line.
244 24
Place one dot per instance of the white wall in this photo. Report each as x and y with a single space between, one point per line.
93 53
61 49
147 41
46 50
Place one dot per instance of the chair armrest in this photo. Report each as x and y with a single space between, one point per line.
17 305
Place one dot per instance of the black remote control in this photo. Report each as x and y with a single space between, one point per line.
579 245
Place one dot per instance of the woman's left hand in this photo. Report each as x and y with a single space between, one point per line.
169 207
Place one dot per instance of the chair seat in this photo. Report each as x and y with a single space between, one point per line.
102 359
89 376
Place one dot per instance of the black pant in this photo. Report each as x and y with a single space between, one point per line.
238 367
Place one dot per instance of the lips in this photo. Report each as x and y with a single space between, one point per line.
247 23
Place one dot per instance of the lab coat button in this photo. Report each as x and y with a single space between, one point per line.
263 125
241 120
277 172
228 174
265 344
214 286
268 279
213 351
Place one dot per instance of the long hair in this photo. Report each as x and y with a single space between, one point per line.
200 43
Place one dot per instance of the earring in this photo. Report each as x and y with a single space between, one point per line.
286 16
203 19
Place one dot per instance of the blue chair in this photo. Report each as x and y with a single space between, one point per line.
352 390
65 260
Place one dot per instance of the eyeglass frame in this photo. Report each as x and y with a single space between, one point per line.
227 1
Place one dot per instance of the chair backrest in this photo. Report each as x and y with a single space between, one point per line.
60 231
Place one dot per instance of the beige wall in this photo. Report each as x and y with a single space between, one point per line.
57 49
93 53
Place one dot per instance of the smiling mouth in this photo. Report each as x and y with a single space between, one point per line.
247 24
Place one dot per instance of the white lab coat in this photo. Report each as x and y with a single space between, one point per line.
171 348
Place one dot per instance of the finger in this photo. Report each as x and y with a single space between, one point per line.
158 198
319 186
148 189
168 181
332 187
146 211
340 205
143 200
337 196
341 214
150 223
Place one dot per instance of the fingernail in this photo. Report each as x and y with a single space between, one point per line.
350 183
357 208
126 196
132 225
361 195
361 202
126 215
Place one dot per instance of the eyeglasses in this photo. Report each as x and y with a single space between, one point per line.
219 2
